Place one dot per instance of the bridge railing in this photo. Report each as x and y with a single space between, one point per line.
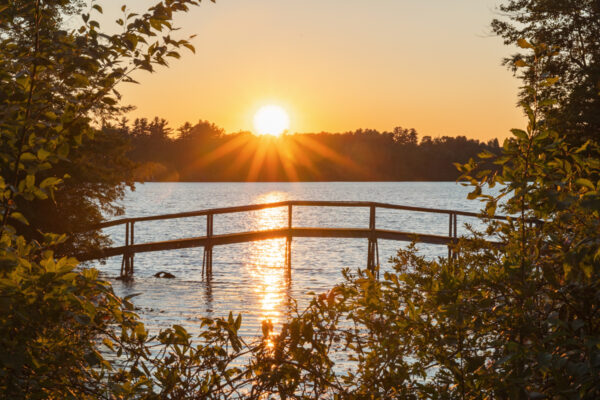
372 233
309 203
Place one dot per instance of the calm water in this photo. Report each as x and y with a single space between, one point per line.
250 278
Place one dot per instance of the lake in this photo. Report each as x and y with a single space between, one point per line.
250 278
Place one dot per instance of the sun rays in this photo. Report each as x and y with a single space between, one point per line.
271 158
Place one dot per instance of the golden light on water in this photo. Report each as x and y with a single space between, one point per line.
267 262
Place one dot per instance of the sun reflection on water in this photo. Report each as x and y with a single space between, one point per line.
266 264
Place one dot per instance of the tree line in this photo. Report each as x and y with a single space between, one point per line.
204 152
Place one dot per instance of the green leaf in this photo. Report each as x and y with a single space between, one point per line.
27 156
583 147
520 63
19 217
586 183
475 193
30 181
190 47
63 150
108 343
42 154
551 81
490 208
542 135
519 133
140 331
50 181
524 44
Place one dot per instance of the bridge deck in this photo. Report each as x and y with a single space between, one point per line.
243 237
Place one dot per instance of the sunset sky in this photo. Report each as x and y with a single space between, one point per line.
338 65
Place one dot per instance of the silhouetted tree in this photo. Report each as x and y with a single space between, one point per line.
569 31
405 136
203 152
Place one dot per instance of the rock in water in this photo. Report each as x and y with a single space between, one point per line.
164 274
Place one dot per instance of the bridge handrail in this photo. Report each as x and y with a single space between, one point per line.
372 233
317 203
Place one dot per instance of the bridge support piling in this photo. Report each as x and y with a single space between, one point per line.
453 234
373 249
288 255
450 221
123 268
207 261
373 256
208 249
288 244
127 262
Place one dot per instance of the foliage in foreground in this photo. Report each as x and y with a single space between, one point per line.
516 321
519 321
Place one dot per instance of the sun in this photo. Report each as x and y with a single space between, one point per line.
271 120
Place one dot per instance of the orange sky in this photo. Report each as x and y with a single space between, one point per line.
338 65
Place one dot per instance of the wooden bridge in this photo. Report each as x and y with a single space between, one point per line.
372 234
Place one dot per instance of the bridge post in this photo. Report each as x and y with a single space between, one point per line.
288 243
124 267
373 250
131 254
452 233
127 262
208 249
450 221
455 233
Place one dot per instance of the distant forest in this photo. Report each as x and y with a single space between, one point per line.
204 152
